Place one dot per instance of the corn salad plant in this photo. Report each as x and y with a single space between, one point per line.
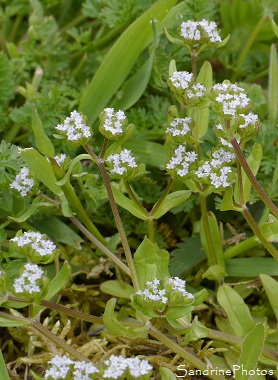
76 208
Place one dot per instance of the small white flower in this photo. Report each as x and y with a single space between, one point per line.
23 183
179 285
250 118
179 126
197 90
152 292
60 158
138 367
181 79
28 281
112 122
230 98
83 370
39 242
60 366
116 366
122 163
197 30
181 160
74 128
221 180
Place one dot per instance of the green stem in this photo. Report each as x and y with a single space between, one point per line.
264 197
241 247
194 56
99 245
255 228
104 147
72 313
182 352
14 30
134 198
58 341
101 164
163 196
212 259
151 232
247 47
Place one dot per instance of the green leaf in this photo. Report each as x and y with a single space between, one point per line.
77 159
128 204
166 374
41 168
6 80
251 267
215 272
116 65
43 143
218 258
188 255
150 153
273 85
274 27
3 370
25 214
173 39
254 161
150 262
134 87
117 288
250 352
271 288
58 282
58 231
172 200
115 327
237 311
270 229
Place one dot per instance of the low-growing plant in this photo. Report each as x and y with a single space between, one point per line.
155 326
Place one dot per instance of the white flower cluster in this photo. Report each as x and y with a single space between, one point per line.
179 126
75 129
23 183
60 158
38 242
118 366
113 121
121 162
216 170
152 292
181 79
197 90
181 161
199 30
250 118
28 281
61 367
179 285
231 99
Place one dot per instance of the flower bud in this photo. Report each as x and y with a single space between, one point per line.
75 130
122 165
112 123
35 246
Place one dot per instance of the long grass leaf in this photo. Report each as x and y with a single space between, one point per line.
120 59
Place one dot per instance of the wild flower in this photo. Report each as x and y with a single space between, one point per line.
215 171
181 162
118 367
229 100
36 246
61 367
29 281
122 165
112 123
188 92
23 182
60 158
200 31
75 129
